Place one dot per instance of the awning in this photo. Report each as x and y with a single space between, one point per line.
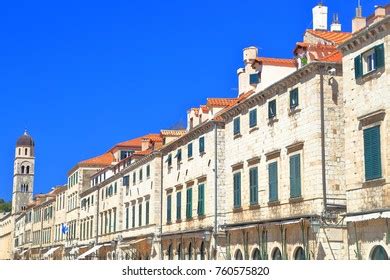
284 223
366 217
132 243
24 252
51 251
90 251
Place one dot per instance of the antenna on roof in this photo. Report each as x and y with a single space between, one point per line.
359 10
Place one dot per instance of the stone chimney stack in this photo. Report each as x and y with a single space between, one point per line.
249 56
320 17
336 25
144 144
359 22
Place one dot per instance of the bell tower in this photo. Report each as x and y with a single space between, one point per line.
24 165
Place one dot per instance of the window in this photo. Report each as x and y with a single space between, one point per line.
189 150
238 255
277 255
299 254
379 253
147 212
294 98
140 175
22 169
256 255
369 61
295 176
253 118
272 109
140 214
169 160
201 199
189 204
126 181
201 145
237 190
178 206
178 155
273 181
28 170
127 217
169 206
134 178
148 171
254 79
236 126
372 153
253 186
115 188
133 216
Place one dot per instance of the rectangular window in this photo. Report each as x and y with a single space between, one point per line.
236 126
169 207
237 190
372 153
133 217
369 61
140 214
201 200
134 178
127 217
147 213
295 176
178 155
253 118
294 98
273 181
126 181
189 204
178 206
253 186
272 109
140 174
169 160
201 145
254 79
189 150
148 171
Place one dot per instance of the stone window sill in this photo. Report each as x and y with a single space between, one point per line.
254 206
201 217
253 129
374 183
236 136
237 210
272 120
294 111
296 199
190 158
273 203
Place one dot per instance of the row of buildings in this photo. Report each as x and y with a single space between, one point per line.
297 166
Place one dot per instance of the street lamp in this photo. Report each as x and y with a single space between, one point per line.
207 236
315 225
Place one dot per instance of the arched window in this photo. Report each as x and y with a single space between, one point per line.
19 151
379 253
238 255
190 251
299 254
22 169
179 252
25 152
256 254
277 255
26 187
202 251
28 170
170 252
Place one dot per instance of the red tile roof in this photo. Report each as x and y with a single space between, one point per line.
283 62
336 56
102 160
173 132
204 109
331 36
220 102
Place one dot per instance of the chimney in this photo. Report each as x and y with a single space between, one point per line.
144 144
320 17
379 14
335 26
359 22
249 56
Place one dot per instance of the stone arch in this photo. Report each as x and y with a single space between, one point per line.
238 255
378 252
276 254
299 253
256 254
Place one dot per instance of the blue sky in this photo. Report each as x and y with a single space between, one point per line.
84 75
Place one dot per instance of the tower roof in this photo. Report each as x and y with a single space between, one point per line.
25 140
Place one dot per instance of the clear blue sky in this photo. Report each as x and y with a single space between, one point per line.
84 75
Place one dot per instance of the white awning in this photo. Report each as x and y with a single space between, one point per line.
51 251
90 251
366 217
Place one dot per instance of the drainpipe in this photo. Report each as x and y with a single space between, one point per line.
322 69
161 204
215 190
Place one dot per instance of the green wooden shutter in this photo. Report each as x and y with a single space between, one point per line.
189 151
253 118
140 215
273 181
169 205
372 153
236 126
178 206
295 176
237 190
358 67
253 185
147 213
127 217
380 56
201 145
201 200
189 204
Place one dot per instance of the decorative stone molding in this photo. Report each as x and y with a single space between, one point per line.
253 161
237 166
295 147
273 154
371 118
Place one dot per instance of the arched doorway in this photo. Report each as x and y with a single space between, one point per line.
299 254
179 252
277 254
379 253
170 252
238 255
202 251
256 254
190 251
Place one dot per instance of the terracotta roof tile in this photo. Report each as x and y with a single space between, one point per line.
238 100
102 160
173 132
336 56
283 62
204 109
331 36
220 102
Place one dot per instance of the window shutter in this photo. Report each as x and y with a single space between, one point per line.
358 67
237 190
253 182
178 206
189 154
253 118
372 153
189 204
147 213
295 176
236 126
201 199
294 98
273 181
201 145
169 204
380 56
